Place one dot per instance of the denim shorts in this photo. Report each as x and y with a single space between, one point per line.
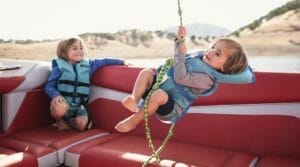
75 111
164 109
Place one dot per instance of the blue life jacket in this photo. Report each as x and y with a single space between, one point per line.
74 82
196 64
184 97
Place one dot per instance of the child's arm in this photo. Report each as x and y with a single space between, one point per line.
50 87
194 80
181 75
98 63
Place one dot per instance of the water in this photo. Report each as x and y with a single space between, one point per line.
258 63
276 63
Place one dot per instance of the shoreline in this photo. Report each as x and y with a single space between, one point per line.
286 63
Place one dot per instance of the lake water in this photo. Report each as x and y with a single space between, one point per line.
258 63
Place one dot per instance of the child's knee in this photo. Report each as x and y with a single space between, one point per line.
58 110
159 97
81 123
147 72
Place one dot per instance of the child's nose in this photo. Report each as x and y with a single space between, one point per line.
211 52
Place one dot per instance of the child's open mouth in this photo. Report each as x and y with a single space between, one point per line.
206 57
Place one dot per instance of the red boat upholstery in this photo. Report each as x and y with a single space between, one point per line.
26 118
130 150
73 153
123 78
20 153
275 161
16 159
240 125
11 79
58 140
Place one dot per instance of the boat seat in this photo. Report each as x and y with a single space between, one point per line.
13 158
58 140
73 153
256 125
130 150
14 152
276 161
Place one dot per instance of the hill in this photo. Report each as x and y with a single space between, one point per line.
277 33
127 44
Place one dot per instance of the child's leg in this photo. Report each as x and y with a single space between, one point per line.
80 123
81 119
61 125
142 83
58 108
159 97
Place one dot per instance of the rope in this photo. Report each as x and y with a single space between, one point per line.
179 12
180 18
165 67
155 153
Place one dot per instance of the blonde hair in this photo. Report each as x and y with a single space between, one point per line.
64 45
237 61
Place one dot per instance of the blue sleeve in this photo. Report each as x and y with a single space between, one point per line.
98 63
50 87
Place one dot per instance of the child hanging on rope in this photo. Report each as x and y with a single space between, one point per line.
190 76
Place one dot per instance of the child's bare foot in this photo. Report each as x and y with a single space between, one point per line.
90 125
129 103
125 125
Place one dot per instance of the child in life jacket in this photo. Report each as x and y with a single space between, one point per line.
188 77
68 84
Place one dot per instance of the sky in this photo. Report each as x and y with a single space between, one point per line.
40 19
